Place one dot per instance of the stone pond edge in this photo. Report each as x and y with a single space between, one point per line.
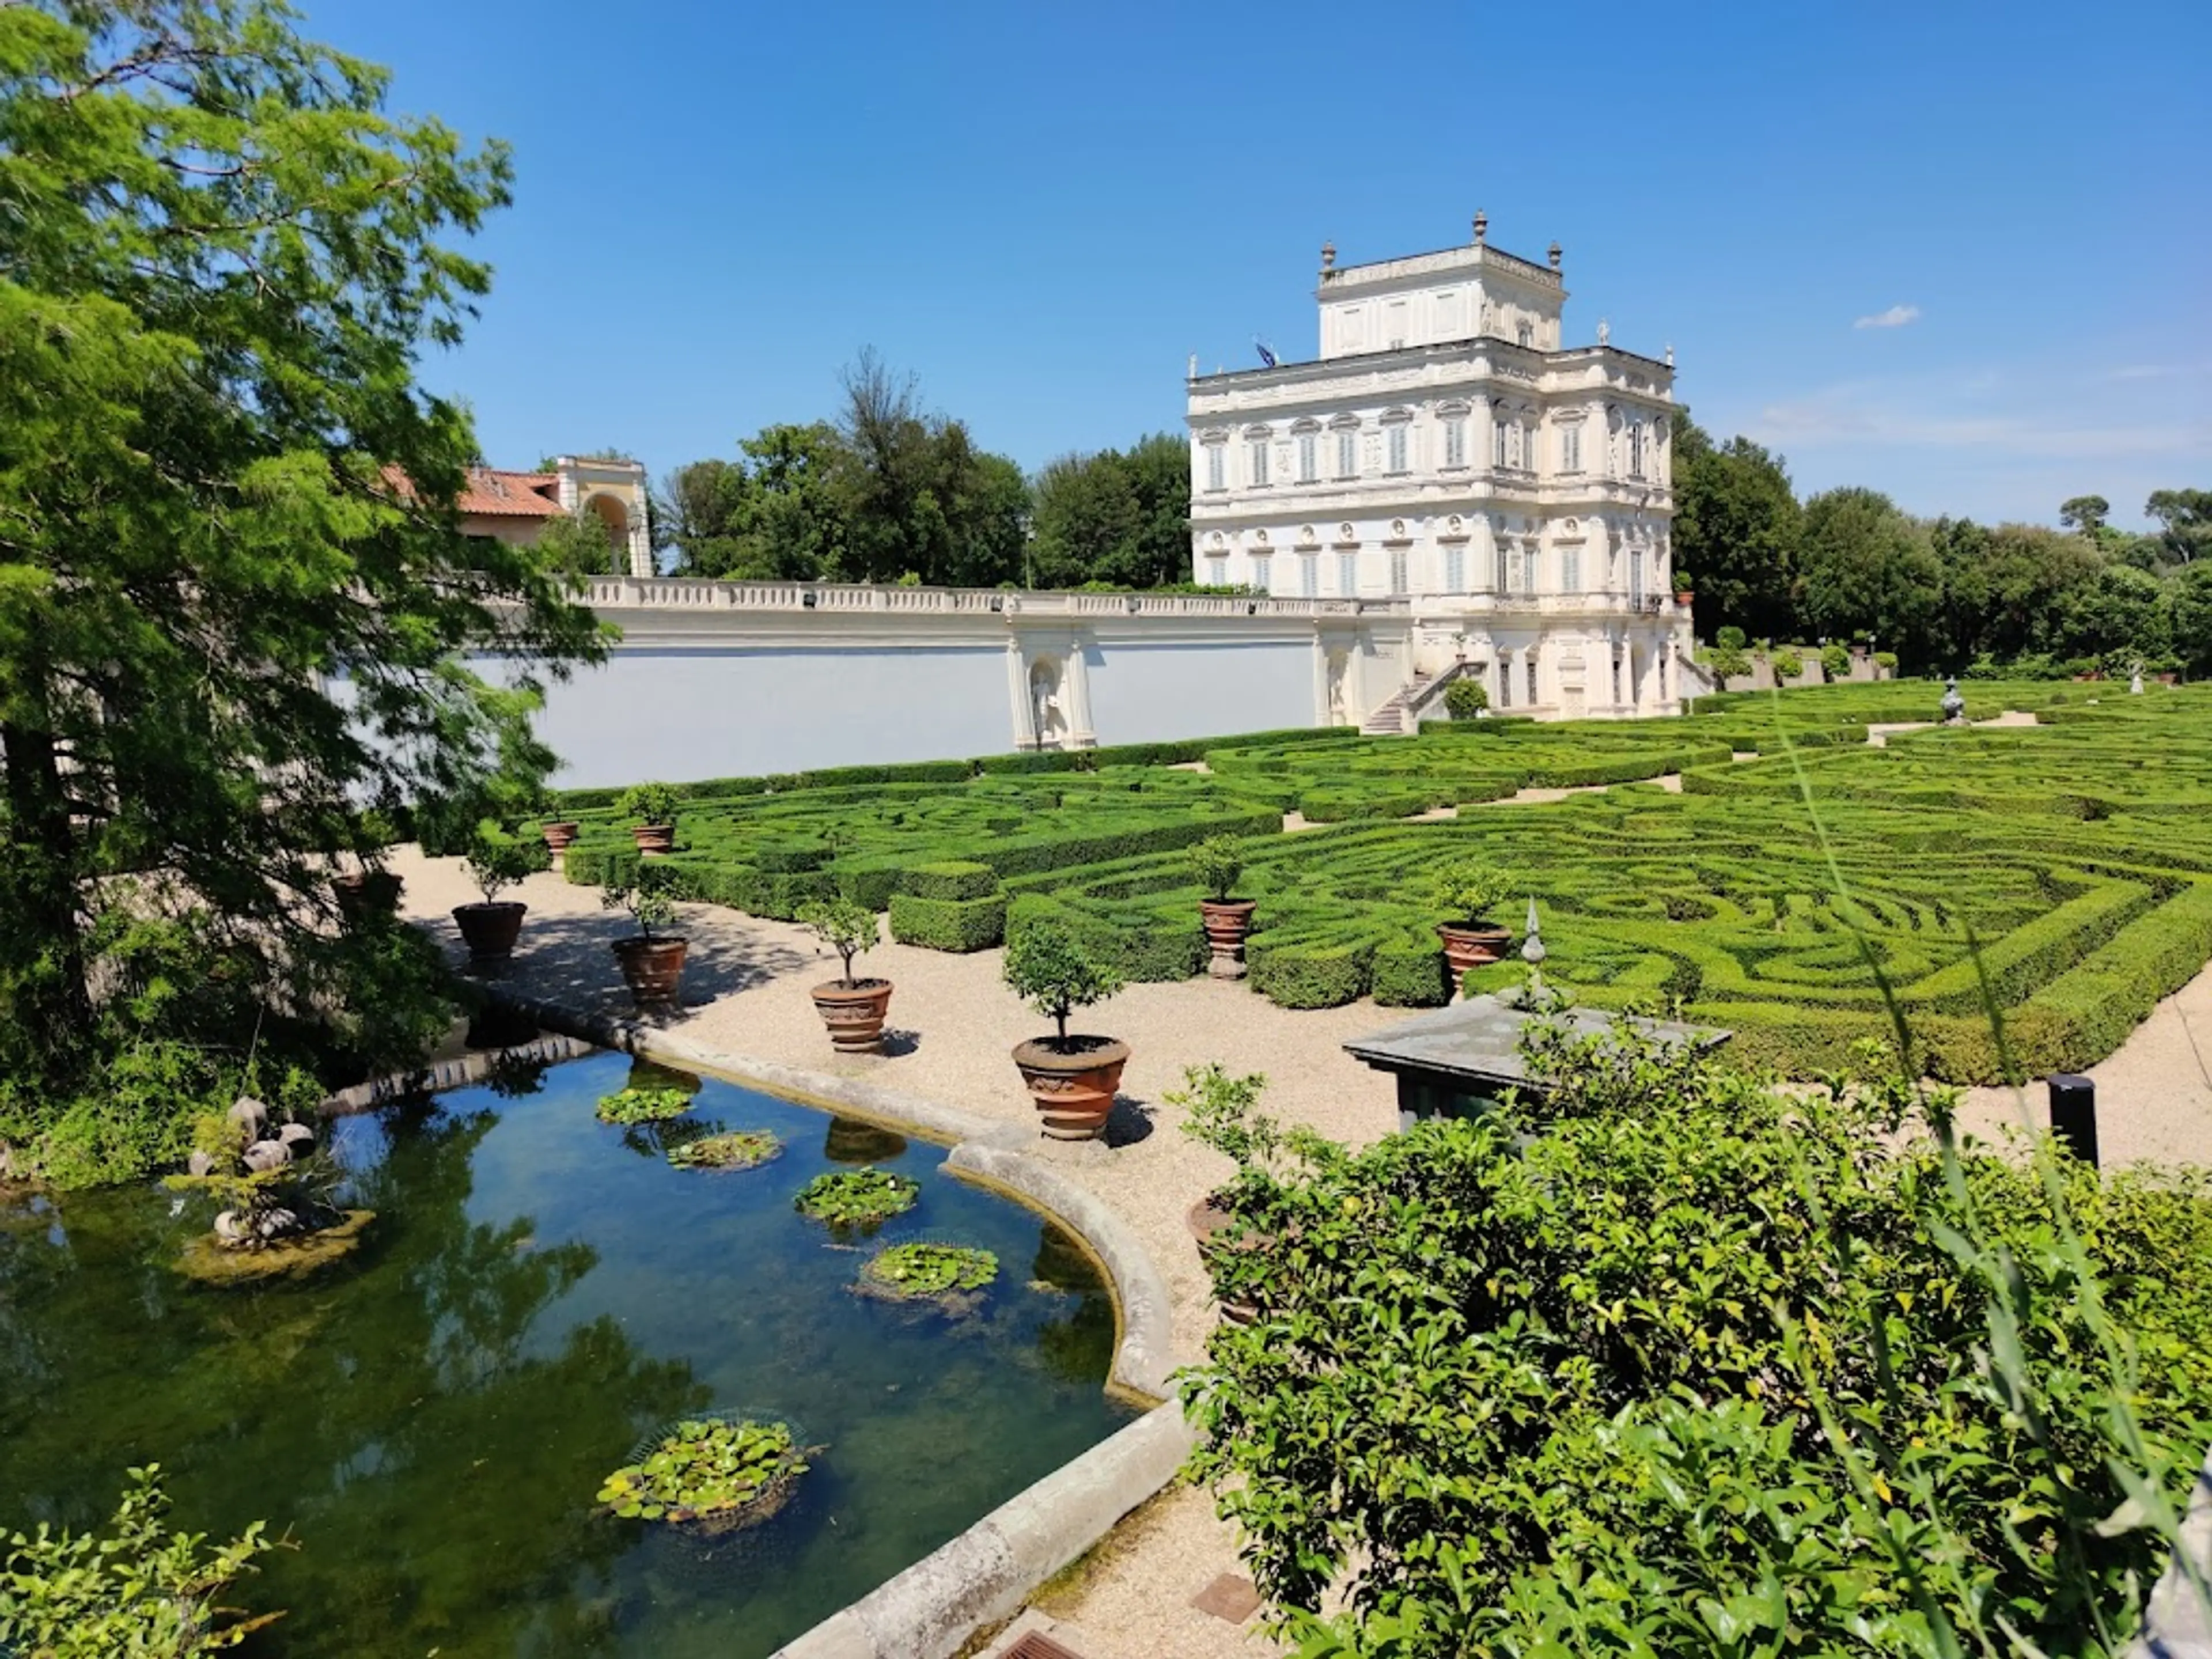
986 1574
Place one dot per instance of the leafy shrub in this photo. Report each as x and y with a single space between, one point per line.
1216 862
1051 971
1467 890
1672 1363
1886 660
955 924
1729 661
846 927
657 804
1466 699
141 1589
649 907
863 1198
1836 661
1728 639
497 863
1787 665
643 1105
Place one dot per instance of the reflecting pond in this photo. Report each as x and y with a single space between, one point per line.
432 1418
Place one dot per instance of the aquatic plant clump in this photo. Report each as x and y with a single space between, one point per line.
928 1270
706 1470
643 1105
740 1149
857 1198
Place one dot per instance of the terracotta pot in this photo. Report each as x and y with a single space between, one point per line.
366 892
855 1013
1074 1091
559 837
1207 1218
1685 598
1471 944
1227 922
652 967
490 930
653 839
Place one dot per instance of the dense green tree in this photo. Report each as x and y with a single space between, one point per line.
1865 568
2085 514
1736 531
778 514
2184 518
921 499
578 544
233 587
2004 589
2118 613
1114 516
2190 611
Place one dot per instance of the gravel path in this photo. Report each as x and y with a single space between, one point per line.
952 1023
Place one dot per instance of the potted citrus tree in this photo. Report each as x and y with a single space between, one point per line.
852 1009
1072 1078
491 928
651 958
1218 861
651 809
1465 891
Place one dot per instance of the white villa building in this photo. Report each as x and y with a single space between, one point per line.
1447 450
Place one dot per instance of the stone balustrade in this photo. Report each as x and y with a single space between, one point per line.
688 593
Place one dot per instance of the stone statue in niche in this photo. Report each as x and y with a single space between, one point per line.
1339 669
1051 721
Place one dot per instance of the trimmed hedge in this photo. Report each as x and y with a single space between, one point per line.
946 924
951 880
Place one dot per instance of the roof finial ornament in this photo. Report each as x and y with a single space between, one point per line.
1328 256
1670 354
1194 366
1604 331
1481 226
1554 252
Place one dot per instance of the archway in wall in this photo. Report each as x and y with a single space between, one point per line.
615 514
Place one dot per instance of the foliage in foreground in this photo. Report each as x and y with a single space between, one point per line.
857 1198
234 597
1686 1366
703 1469
140 1589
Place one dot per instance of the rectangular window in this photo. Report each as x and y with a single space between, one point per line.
1454 570
1455 442
1217 466
1571 449
1347 574
1636 449
1497 443
1309 465
1636 575
1396 441
1398 570
1497 569
1570 569
1532 453
1263 574
1347 453
1217 571
1256 459
1532 676
1308 575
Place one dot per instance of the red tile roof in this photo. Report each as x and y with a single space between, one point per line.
489 493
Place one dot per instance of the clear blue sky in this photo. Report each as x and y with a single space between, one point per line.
1041 209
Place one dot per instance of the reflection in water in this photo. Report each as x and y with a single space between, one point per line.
852 1142
651 1074
431 1418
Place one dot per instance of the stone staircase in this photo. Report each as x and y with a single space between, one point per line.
1390 720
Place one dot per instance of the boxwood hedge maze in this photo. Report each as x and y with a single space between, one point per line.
2061 870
